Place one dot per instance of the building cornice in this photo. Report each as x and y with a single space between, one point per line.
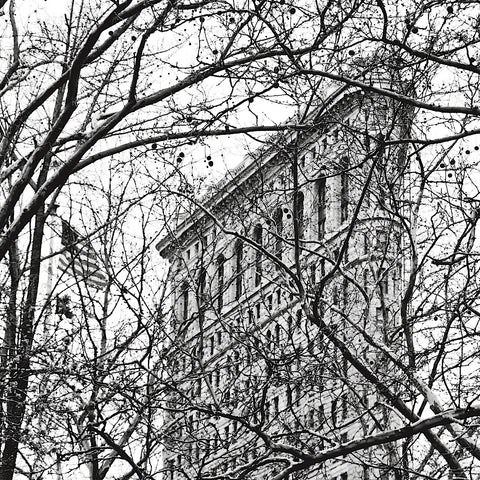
253 163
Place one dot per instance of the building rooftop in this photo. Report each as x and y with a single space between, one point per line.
256 160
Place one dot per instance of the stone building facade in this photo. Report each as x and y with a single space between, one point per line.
305 227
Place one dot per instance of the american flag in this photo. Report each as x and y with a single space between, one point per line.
79 260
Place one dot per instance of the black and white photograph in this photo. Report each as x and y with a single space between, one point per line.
239 240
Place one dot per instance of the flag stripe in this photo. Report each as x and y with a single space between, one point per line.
79 260
78 269
88 261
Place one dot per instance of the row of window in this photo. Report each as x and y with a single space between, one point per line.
278 232
382 274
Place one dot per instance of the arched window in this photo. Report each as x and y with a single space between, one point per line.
278 219
258 238
300 207
220 280
238 269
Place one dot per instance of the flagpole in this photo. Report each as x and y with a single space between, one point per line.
50 275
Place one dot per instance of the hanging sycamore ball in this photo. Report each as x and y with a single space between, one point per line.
154 146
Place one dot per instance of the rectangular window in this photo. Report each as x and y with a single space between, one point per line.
220 280
344 189
300 213
365 278
345 292
383 281
334 412
344 405
258 238
324 145
238 269
185 299
202 280
311 419
278 219
321 186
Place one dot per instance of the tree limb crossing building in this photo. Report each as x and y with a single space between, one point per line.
284 281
